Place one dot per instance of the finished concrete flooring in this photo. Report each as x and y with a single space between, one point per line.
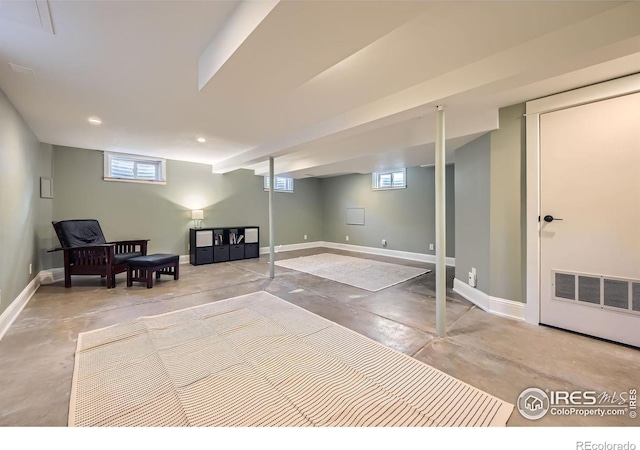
498 355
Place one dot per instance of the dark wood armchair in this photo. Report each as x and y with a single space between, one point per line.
86 252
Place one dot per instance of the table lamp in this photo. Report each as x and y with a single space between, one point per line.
197 215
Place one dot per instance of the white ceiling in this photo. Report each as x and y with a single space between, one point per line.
326 87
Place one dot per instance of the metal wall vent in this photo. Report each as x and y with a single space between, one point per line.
565 286
589 289
618 294
636 297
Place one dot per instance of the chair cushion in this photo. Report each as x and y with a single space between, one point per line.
78 233
120 258
152 260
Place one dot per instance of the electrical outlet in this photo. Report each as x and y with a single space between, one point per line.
30 269
347 238
473 277
384 242
305 237
430 246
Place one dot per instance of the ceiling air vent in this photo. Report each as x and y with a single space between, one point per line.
22 69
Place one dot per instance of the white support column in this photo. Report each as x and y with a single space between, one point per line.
441 226
272 259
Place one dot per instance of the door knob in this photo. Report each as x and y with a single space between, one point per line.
550 218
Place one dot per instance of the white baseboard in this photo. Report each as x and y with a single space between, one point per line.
423 257
184 259
50 276
291 247
360 249
494 305
10 314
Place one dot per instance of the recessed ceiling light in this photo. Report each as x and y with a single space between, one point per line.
95 121
201 140
22 69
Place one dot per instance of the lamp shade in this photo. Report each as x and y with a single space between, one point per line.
197 214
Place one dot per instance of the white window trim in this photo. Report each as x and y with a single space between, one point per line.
107 164
266 189
376 179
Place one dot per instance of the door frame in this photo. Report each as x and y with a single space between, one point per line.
589 94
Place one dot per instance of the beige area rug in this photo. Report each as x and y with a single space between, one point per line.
257 360
362 273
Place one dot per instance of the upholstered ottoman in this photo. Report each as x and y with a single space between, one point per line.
141 268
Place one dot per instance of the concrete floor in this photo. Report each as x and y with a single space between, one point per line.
500 356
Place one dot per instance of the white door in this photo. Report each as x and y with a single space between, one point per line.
590 178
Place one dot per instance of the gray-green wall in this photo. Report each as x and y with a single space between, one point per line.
317 208
508 205
473 215
162 213
24 216
404 217
491 208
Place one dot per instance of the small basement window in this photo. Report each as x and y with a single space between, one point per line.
134 168
282 184
391 179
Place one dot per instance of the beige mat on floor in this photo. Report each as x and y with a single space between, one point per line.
257 360
359 272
